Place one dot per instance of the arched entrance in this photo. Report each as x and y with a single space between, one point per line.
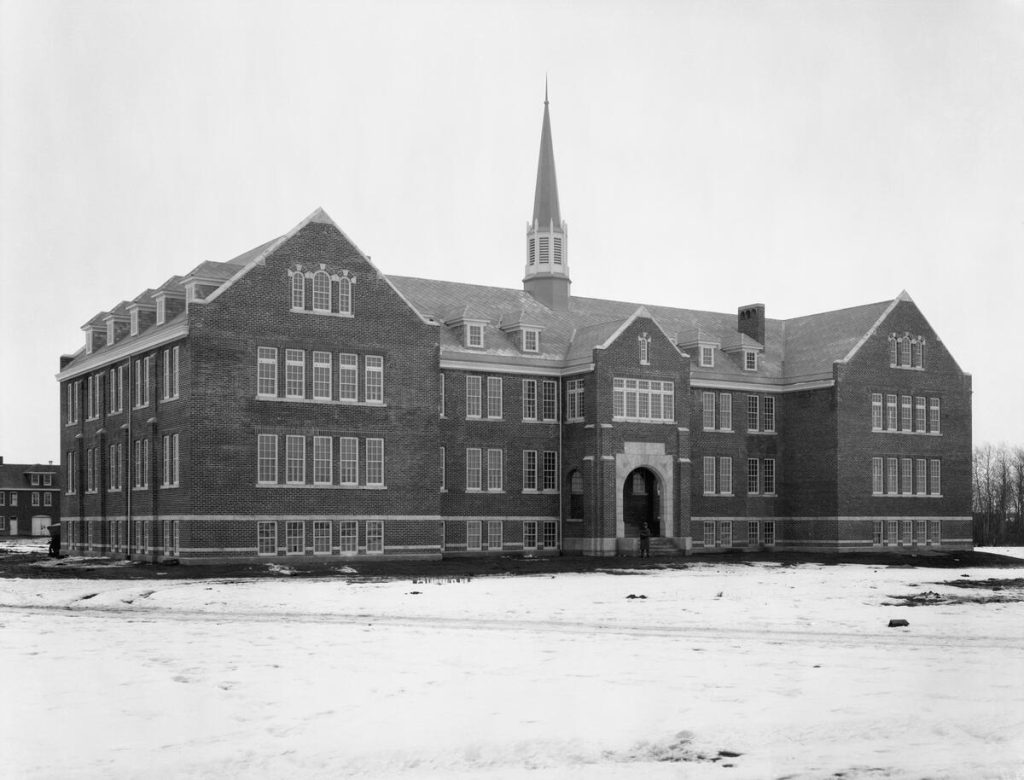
641 502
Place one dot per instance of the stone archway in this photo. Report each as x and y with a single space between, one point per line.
641 502
651 457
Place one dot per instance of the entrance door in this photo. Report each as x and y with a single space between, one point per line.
640 502
13 526
40 524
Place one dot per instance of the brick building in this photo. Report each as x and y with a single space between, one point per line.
29 498
298 401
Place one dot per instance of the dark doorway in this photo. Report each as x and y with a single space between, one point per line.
640 502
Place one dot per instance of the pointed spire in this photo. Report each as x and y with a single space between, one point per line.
545 200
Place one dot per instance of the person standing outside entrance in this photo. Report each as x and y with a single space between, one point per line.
645 541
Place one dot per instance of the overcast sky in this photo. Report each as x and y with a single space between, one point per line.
807 155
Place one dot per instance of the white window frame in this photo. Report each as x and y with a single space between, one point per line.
769 477
474 539
294 537
643 400
891 413
531 340
877 417
474 397
322 537
348 377
266 372
494 398
769 533
495 470
348 460
375 462
644 342
707 356
298 291
295 373
892 476
710 463
906 413
530 471
877 476
749 360
294 459
725 533
549 400
574 400
474 469
442 454
530 400
348 536
753 476
709 533
725 411
495 533
323 465
934 416
345 296
266 537
474 335
921 477
374 379
753 413
768 414
549 471
529 534
907 476
725 475
321 292
375 537
323 373
935 477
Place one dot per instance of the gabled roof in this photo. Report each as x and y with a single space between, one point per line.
813 343
12 476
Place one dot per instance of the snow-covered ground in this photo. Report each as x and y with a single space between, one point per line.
715 670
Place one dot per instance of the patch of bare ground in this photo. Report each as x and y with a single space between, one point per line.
988 591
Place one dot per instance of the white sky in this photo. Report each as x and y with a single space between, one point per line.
808 155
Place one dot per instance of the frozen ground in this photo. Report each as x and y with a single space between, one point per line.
716 670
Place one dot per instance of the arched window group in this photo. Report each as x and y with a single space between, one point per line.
321 292
906 351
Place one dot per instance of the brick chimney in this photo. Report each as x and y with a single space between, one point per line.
750 321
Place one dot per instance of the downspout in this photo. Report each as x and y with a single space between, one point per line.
128 470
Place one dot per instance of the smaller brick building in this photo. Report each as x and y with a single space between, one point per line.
29 498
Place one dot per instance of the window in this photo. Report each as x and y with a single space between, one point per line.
530 470
752 531
495 476
708 406
753 413
707 356
348 457
893 465
921 531
266 372
725 411
550 470
147 370
33 479
71 402
474 335
295 460
934 531
171 373
444 476
935 488
769 414
934 416
47 480
709 475
69 479
890 412
769 477
494 405
348 377
576 496
906 409
348 536
90 470
643 400
904 352
374 377
295 373
574 400
321 537
550 534
321 292
529 399
294 537
90 400
908 532
3 498
893 351
14 496
922 477
549 400
494 540
266 537
749 360
441 403
473 399
877 533
47 499
725 476
907 475
35 498
920 415
644 342
531 340
375 462
473 541
917 354
345 295
877 477
753 476
769 532
529 534
171 460
473 468
323 467
161 310
709 533
266 446
322 373
725 533
375 536
298 291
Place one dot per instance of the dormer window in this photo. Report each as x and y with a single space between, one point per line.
134 322
749 360
110 332
475 334
161 310
531 340
707 356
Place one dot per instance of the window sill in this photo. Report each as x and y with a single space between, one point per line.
343 315
308 486
640 420
761 433
172 398
323 401
486 419
167 487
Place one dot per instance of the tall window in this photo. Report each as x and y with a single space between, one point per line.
322 373
907 475
266 537
725 476
644 342
725 411
529 399
90 471
375 462
549 400
441 402
444 469
494 403
474 334
576 495
934 416
473 396
922 477
321 292
877 477
348 377
295 459
749 360
769 476
890 412
323 468
550 470
266 445
893 474
643 400
345 295
141 463
112 468
348 536
321 537
753 413
709 475
494 535
876 411
171 460
707 356
495 471
530 470
266 372
769 414
69 479
473 540
753 476
348 457
531 340
295 373
574 400
170 379
473 468
936 477
906 411
708 406
374 379
905 352
298 291
294 537
529 534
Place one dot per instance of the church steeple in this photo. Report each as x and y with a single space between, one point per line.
547 268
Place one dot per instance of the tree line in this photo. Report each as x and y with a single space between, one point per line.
998 495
